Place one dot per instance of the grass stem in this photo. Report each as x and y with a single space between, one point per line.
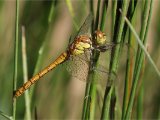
135 80
70 7
16 56
129 61
6 116
25 75
114 60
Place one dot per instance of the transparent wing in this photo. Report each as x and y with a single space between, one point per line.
101 75
102 68
85 29
78 66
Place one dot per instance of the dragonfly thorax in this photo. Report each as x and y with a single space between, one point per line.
80 44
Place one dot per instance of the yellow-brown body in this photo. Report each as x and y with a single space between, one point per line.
79 45
35 78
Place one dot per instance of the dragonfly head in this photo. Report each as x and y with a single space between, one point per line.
99 38
100 41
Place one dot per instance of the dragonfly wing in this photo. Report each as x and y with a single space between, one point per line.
101 75
86 27
78 66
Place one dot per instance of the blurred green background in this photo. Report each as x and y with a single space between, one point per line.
49 25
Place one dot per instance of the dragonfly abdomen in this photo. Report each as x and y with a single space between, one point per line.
64 56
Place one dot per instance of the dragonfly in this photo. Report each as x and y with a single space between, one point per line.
82 42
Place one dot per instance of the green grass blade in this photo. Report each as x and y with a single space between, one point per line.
104 10
87 99
128 78
140 63
25 75
16 56
114 60
89 108
93 93
105 115
159 113
113 103
93 88
143 30
142 47
129 61
52 10
140 103
6 116
114 8
96 54
70 7
97 15
118 38
91 6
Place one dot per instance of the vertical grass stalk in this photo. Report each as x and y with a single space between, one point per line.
89 107
25 75
147 12
129 61
114 8
104 11
97 15
91 6
52 10
70 7
86 101
128 78
6 116
140 102
93 88
115 59
15 74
